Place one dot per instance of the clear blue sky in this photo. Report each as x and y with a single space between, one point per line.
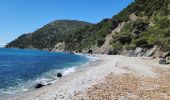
24 16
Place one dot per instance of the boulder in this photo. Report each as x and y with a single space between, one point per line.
144 50
39 85
150 52
125 52
162 61
130 53
90 51
161 53
137 52
110 52
59 75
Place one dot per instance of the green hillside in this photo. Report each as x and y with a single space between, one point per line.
47 36
147 24
135 33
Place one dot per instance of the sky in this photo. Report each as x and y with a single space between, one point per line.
24 16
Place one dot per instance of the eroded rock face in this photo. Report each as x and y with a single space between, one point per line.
160 53
146 52
138 52
59 47
150 52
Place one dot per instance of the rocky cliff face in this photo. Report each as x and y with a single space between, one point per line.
146 52
59 47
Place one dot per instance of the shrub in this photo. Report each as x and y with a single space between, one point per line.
100 42
117 46
141 42
131 46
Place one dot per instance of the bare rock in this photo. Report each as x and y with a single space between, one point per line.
59 47
150 52
39 85
167 60
59 75
162 61
125 52
166 54
90 51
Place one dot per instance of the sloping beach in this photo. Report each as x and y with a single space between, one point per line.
109 78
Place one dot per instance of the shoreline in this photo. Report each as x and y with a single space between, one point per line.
77 84
64 71
92 59
47 77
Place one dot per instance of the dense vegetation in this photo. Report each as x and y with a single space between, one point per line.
149 26
137 33
47 36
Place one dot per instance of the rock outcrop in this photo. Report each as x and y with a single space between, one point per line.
139 52
59 47
167 60
155 51
39 85
59 75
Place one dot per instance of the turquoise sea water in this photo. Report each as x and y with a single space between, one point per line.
20 69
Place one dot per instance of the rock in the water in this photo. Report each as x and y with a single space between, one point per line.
162 61
71 52
59 75
39 85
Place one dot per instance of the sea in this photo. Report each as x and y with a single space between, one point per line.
21 70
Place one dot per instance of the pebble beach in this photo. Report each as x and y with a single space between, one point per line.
112 77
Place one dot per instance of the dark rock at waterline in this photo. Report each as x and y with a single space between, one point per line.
112 52
90 51
59 75
39 85
71 52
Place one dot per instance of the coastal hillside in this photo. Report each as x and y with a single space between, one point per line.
49 35
143 24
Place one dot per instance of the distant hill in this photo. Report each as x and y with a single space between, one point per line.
146 24
47 36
